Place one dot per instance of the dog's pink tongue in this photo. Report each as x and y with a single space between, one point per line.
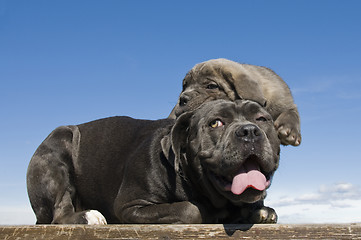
248 176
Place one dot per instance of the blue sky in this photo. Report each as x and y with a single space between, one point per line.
69 62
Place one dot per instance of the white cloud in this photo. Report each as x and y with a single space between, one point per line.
313 87
337 203
21 215
349 95
339 87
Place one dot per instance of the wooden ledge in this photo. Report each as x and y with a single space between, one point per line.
201 231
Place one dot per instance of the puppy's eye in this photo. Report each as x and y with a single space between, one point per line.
212 86
216 123
261 119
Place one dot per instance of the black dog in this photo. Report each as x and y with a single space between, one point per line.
208 166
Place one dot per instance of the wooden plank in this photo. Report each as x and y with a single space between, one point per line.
201 231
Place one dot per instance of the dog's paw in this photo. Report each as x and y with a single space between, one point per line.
264 215
94 217
288 127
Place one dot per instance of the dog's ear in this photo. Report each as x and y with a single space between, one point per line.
173 144
245 87
167 148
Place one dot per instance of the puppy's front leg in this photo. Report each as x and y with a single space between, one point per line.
288 127
178 212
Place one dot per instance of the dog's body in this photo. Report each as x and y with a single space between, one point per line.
208 166
225 79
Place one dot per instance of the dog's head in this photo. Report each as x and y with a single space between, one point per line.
220 79
230 150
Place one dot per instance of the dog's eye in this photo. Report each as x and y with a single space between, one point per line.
212 86
261 119
216 123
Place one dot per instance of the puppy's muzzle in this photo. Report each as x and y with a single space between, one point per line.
183 100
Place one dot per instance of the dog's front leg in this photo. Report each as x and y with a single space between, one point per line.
177 212
253 213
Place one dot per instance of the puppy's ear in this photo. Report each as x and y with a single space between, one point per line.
178 138
245 87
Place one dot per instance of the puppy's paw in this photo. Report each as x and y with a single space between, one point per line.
264 215
288 127
94 217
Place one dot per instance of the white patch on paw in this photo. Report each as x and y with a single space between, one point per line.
95 218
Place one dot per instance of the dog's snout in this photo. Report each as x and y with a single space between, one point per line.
183 100
249 133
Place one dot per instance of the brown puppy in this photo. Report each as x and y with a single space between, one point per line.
225 79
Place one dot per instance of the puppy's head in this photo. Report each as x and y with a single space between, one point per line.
219 79
229 150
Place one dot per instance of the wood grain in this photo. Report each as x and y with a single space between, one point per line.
201 231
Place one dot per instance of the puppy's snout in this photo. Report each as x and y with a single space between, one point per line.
248 133
183 100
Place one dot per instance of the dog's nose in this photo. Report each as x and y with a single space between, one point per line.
249 132
183 100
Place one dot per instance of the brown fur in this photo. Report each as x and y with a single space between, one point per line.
225 79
